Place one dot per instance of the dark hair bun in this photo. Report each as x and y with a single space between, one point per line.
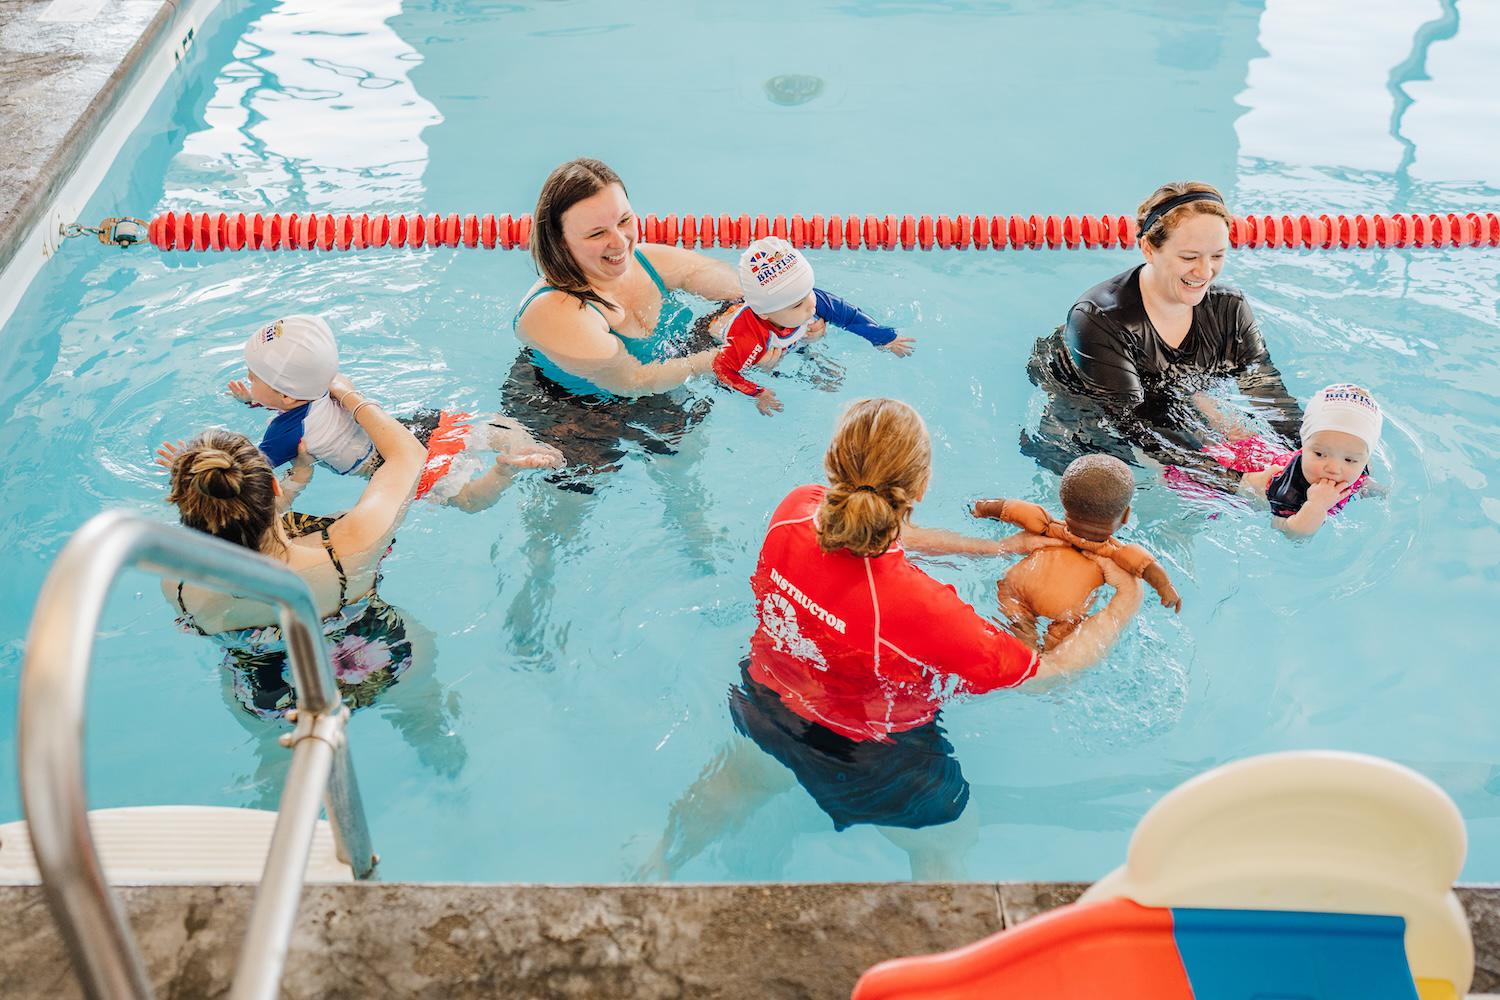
215 475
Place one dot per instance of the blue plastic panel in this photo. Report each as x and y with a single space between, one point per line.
1280 955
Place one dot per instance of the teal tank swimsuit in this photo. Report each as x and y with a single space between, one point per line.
592 427
669 339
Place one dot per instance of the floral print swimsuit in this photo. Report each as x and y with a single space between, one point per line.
370 648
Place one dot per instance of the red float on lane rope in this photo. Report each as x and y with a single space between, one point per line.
327 232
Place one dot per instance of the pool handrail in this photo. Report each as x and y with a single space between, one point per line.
54 677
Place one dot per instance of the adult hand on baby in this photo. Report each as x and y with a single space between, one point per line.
339 387
302 465
241 391
770 359
767 402
1126 586
1023 543
901 347
168 452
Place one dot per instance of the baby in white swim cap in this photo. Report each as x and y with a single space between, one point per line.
781 308
1340 430
291 363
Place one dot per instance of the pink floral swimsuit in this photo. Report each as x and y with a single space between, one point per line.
1286 492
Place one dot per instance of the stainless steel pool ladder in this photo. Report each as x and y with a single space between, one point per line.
50 740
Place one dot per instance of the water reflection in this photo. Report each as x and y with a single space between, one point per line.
352 142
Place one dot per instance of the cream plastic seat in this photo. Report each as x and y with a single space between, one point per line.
1311 830
176 844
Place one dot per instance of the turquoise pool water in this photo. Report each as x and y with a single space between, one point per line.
580 649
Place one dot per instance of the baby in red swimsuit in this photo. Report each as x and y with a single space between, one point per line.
1058 583
782 308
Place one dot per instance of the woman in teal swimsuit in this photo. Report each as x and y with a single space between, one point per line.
606 337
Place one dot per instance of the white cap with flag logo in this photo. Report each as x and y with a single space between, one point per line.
774 275
295 355
1344 407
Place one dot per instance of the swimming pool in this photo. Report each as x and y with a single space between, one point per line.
583 646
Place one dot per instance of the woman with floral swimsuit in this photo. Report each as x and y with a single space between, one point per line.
222 485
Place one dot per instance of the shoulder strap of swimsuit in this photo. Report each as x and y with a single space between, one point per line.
334 558
516 320
187 615
661 286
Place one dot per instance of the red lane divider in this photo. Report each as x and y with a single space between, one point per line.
209 231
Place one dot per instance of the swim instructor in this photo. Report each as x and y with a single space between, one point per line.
1146 344
606 333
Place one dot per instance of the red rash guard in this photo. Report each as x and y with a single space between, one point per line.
866 646
749 335
744 343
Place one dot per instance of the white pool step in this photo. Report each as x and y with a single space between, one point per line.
176 844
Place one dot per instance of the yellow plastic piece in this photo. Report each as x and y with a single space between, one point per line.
1436 989
1314 830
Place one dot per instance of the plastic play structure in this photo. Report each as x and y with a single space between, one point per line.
1306 875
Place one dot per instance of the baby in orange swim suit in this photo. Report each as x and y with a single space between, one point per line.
1057 583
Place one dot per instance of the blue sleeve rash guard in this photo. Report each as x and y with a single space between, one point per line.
283 434
832 309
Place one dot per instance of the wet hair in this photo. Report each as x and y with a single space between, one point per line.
878 462
1097 488
565 187
1162 228
223 486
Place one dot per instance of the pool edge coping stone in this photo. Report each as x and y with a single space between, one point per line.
464 940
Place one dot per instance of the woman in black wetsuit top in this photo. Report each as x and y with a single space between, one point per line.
1140 349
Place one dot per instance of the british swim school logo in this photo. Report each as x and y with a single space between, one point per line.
766 266
271 332
1348 392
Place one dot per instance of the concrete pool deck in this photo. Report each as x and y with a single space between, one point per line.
772 941
65 66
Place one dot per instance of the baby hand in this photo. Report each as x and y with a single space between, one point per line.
168 452
241 391
1324 493
901 346
767 402
815 329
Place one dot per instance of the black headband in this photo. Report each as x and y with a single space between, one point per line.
1183 199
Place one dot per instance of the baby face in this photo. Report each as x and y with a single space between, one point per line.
270 398
1333 455
795 315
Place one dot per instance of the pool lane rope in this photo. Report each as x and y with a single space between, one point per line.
218 231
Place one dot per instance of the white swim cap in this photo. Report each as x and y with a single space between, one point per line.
1343 407
774 275
295 355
